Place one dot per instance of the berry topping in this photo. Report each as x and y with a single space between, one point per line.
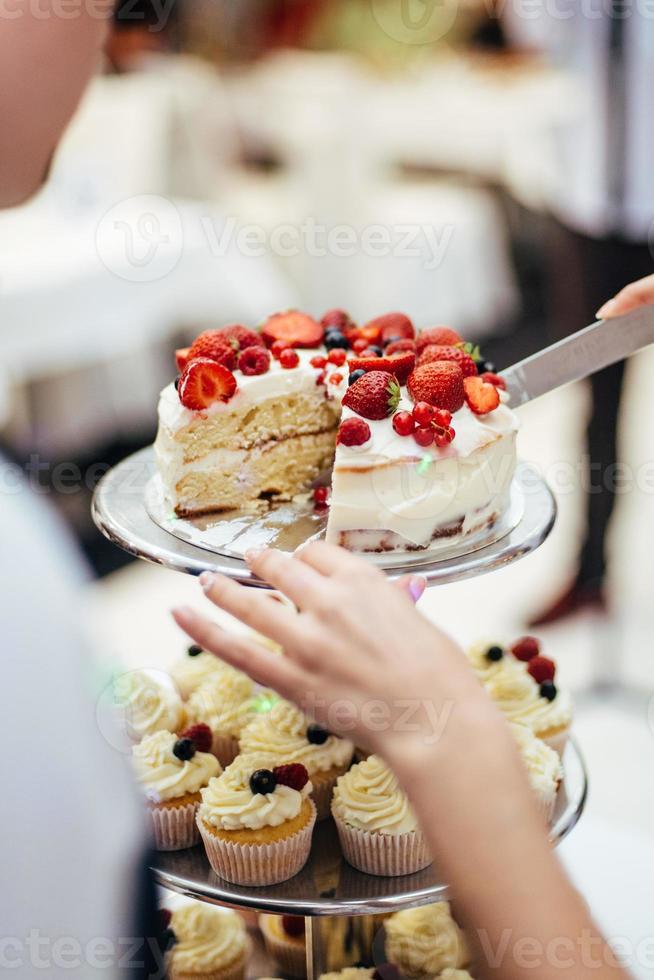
353 432
165 916
184 749
376 350
401 364
241 337
355 375
319 361
297 328
359 345
541 669
201 735
439 383
316 734
321 497
494 653
444 437
293 925
335 379
399 345
391 326
204 382
214 345
404 423
254 360
525 648
337 319
263 781
335 340
337 356
374 396
294 775
424 413
181 358
494 379
194 650
481 397
442 417
424 436
278 347
437 335
548 690
289 358
441 352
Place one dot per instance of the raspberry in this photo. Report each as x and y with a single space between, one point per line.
374 396
404 423
201 736
319 361
494 379
424 413
437 335
289 358
481 397
254 360
294 775
541 669
353 432
525 648
439 383
204 382
214 345
441 352
278 347
424 436
241 336
337 356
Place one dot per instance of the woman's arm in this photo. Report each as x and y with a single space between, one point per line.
358 658
639 293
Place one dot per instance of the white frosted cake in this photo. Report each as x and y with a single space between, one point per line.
422 446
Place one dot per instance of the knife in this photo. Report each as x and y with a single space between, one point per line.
580 355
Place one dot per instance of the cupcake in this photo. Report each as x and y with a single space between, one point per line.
351 973
377 828
286 733
171 772
426 941
455 975
284 939
227 702
148 705
256 820
193 669
543 767
521 683
208 944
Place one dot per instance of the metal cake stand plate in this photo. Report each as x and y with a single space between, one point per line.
329 886
130 509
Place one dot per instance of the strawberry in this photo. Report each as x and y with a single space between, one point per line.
254 360
481 397
541 669
440 383
353 432
293 774
437 335
200 735
297 328
241 337
494 379
181 357
337 320
214 345
525 648
390 326
401 364
443 352
397 345
293 925
204 382
374 396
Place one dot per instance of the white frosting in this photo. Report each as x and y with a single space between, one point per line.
165 777
425 941
148 705
542 763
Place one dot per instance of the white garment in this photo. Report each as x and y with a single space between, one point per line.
576 35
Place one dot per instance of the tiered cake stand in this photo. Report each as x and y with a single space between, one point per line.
129 509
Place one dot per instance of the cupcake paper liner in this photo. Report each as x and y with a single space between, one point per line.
174 827
321 795
291 958
225 748
259 864
383 854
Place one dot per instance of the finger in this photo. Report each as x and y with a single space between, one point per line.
262 665
639 293
413 585
328 559
301 583
252 607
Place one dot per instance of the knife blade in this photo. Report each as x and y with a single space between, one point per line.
580 355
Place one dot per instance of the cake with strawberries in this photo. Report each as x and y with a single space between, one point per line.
418 435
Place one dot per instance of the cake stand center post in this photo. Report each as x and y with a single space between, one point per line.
313 935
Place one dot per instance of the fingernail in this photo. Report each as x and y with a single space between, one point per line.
252 554
417 586
606 309
182 612
206 581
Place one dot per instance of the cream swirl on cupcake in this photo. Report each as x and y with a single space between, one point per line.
163 775
228 802
518 696
425 941
208 939
486 667
368 797
223 702
192 670
149 705
283 733
542 762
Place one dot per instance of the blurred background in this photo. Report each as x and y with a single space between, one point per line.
458 160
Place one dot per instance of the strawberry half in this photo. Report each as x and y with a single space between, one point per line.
297 329
204 382
215 345
437 335
401 364
390 326
440 383
481 396
444 352
181 358
374 396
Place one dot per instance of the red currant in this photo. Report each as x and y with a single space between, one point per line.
442 417
278 347
335 379
451 433
289 358
423 413
359 345
319 361
321 496
424 437
404 423
337 356
441 440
